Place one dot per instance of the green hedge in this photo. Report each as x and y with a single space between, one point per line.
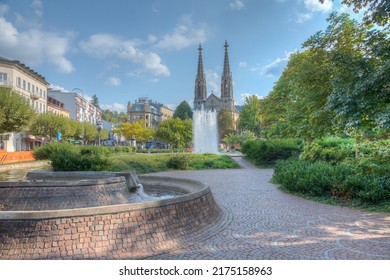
332 150
268 152
343 182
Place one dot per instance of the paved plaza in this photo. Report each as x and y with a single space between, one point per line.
262 222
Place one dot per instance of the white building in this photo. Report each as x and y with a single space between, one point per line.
80 109
33 87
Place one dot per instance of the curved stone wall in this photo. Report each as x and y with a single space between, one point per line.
120 231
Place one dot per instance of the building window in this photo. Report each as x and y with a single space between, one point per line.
24 84
28 87
18 82
3 78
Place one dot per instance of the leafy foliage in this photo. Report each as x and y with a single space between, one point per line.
135 130
183 111
175 132
268 152
250 115
16 113
225 123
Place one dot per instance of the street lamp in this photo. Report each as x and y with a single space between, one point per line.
82 112
99 127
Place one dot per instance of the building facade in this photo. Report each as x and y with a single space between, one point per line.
213 102
33 87
148 110
80 108
57 107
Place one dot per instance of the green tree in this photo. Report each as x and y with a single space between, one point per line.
183 111
231 139
95 101
48 124
360 62
225 123
16 113
296 105
175 132
250 115
377 12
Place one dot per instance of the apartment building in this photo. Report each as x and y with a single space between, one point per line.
33 87
80 108
146 109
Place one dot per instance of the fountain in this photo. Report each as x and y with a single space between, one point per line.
205 131
101 215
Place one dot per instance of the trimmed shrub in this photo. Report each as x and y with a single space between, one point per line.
332 150
268 152
342 182
45 152
178 162
68 158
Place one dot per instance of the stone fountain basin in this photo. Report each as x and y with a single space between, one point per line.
96 218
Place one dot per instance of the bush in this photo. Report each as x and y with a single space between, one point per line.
45 152
268 152
332 150
69 158
178 162
342 182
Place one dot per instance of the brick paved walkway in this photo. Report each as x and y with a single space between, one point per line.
262 222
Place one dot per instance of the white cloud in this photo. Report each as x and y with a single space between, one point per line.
57 87
113 81
302 18
114 107
104 45
37 7
185 34
316 6
42 46
276 67
242 64
213 81
3 9
237 5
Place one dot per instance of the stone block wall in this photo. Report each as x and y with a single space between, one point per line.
127 231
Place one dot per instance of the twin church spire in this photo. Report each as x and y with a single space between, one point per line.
213 102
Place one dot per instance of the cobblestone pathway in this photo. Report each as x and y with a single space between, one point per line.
262 222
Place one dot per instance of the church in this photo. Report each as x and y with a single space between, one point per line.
213 102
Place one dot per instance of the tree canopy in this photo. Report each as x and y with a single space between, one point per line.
175 132
16 113
377 12
183 111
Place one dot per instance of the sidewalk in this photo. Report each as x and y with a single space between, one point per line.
262 222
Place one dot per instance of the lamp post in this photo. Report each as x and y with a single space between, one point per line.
82 112
99 127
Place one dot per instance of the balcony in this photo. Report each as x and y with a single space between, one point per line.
34 96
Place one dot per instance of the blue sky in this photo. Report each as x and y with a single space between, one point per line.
121 50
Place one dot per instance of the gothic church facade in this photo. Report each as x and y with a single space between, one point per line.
213 102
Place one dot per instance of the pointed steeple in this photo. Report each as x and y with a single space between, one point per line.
226 67
227 83
200 83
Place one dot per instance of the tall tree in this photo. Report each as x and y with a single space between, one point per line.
175 132
225 123
95 101
250 115
16 113
376 12
183 111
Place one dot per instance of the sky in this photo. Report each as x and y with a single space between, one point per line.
121 50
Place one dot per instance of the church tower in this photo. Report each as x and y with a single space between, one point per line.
200 83
227 98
